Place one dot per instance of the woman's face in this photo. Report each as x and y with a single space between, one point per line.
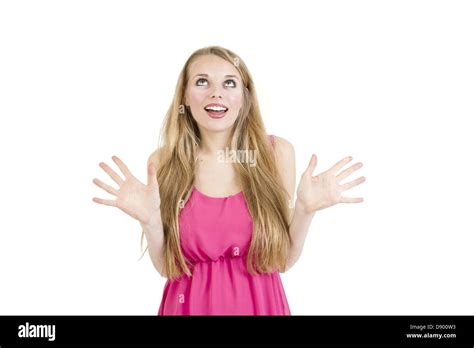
214 92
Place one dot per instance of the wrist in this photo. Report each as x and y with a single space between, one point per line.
301 209
152 224
153 219
153 232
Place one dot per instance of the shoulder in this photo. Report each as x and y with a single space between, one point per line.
154 157
285 161
283 147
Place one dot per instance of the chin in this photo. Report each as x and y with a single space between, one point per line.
216 125
217 128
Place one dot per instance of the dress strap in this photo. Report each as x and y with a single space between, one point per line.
272 140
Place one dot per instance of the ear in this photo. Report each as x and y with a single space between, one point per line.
247 92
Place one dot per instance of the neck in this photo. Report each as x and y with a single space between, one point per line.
212 142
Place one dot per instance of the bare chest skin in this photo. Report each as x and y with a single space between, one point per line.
215 178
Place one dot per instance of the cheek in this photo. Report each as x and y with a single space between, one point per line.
196 97
235 100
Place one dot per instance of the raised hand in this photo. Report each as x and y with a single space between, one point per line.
140 201
324 190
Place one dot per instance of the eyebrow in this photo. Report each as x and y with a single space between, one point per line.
206 75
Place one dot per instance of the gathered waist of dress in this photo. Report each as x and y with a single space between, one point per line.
225 257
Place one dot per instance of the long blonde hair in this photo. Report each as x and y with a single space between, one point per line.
267 199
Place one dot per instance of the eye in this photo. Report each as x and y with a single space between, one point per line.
198 82
232 81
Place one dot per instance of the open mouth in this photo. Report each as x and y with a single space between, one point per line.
216 111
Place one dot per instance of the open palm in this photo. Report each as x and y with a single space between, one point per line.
324 190
140 201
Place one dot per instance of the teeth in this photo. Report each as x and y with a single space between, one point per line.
216 108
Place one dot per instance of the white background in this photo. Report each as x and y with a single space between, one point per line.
388 82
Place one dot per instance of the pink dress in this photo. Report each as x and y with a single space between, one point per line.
215 234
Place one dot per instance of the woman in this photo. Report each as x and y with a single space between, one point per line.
217 208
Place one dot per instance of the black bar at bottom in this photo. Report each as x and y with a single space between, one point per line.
290 330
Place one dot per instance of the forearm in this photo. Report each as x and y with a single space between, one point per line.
299 227
155 241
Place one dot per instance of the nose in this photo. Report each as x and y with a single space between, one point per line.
216 93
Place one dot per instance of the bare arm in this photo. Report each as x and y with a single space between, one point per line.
154 230
313 193
299 228
299 220
155 241
140 201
